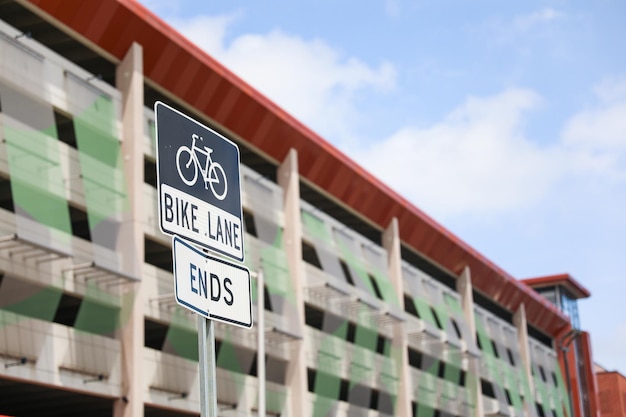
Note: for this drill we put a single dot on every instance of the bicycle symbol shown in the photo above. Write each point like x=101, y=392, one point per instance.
x=212, y=172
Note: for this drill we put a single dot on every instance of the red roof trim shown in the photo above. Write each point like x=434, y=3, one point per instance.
x=167, y=55
x=565, y=280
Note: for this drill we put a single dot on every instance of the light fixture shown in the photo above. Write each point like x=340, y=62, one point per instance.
x=96, y=378
x=20, y=362
x=27, y=35
x=180, y=396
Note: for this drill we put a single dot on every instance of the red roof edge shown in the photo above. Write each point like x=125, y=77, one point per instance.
x=565, y=280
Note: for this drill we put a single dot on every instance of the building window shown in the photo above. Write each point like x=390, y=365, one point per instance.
x=569, y=306
x=540, y=411
x=457, y=330
x=309, y=255
x=6, y=195
x=154, y=334
x=267, y=300
x=80, y=223
x=487, y=388
x=158, y=255
x=149, y=172
x=65, y=128
x=543, y=374
x=248, y=223
x=551, y=294
x=436, y=317
x=346, y=272
x=313, y=316
x=67, y=310
x=495, y=348
x=441, y=372
x=415, y=358
x=381, y=344
x=375, y=287
x=510, y=355
x=409, y=306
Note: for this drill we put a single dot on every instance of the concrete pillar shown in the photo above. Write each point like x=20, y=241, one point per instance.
x=391, y=243
x=464, y=288
x=129, y=76
x=289, y=181
x=519, y=320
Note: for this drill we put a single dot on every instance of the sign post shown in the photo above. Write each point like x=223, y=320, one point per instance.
x=206, y=362
x=199, y=201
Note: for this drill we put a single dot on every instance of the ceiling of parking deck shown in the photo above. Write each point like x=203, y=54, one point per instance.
x=180, y=67
x=29, y=400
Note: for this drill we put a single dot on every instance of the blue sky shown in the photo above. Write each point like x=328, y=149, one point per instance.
x=504, y=121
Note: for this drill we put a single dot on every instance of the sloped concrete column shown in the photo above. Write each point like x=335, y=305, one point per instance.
x=464, y=288
x=391, y=243
x=519, y=320
x=129, y=76
x=289, y=181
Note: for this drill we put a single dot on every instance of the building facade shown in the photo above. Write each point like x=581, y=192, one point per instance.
x=370, y=308
x=576, y=358
x=612, y=392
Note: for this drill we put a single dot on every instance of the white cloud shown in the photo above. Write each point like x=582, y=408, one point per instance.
x=597, y=135
x=162, y=7
x=521, y=32
x=479, y=161
x=526, y=22
x=208, y=32
x=602, y=127
x=392, y=8
x=476, y=160
x=610, y=347
x=612, y=89
x=313, y=81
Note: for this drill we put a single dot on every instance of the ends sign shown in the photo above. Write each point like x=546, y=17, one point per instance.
x=211, y=287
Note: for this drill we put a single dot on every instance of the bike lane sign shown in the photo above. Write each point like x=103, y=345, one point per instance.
x=198, y=182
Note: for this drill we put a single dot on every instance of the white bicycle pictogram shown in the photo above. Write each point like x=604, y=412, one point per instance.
x=212, y=172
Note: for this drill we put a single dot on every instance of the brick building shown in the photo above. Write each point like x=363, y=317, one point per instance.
x=612, y=392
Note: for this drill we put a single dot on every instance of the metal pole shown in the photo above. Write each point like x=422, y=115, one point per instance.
x=206, y=359
x=564, y=345
x=260, y=361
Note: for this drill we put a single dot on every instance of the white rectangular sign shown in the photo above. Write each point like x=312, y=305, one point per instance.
x=198, y=221
x=211, y=287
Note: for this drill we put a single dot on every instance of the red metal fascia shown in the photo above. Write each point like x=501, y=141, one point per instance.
x=565, y=280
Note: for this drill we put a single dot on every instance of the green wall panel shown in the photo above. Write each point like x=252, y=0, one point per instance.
x=99, y=312
x=35, y=167
x=101, y=162
x=39, y=305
